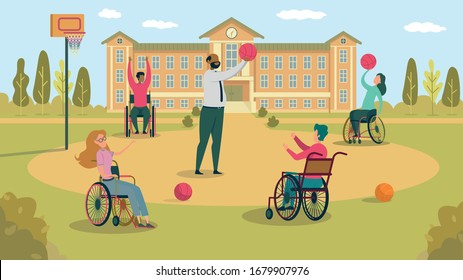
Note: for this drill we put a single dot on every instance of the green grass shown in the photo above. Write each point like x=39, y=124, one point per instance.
x=354, y=229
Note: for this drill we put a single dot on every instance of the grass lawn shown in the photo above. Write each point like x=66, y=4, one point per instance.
x=353, y=229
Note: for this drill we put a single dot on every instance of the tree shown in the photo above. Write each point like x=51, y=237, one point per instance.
x=82, y=91
x=451, y=95
x=410, y=91
x=430, y=83
x=41, y=90
x=59, y=83
x=20, y=82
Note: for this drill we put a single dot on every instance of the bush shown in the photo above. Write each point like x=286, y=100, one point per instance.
x=196, y=111
x=273, y=122
x=187, y=121
x=262, y=112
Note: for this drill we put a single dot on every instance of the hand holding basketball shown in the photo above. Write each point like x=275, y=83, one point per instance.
x=368, y=61
x=247, y=52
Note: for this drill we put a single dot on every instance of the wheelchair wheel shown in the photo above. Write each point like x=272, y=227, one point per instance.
x=315, y=202
x=347, y=131
x=287, y=182
x=126, y=121
x=269, y=214
x=116, y=221
x=98, y=204
x=122, y=209
x=376, y=129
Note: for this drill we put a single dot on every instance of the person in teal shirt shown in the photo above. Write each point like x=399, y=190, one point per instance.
x=368, y=106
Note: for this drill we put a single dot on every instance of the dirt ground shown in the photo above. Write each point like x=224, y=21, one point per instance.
x=251, y=160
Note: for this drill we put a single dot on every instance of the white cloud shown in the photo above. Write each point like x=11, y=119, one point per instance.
x=424, y=27
x=300, y=14
x=108, y=13
x=159, y=24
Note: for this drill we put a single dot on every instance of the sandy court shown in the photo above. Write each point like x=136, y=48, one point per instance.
x=252, y=159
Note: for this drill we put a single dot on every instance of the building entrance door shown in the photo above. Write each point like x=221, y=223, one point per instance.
x=234, y=93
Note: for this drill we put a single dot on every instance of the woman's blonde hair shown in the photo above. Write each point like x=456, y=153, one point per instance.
x=87, y=158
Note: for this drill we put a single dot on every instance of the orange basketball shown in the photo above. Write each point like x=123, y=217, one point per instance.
x=384, y=192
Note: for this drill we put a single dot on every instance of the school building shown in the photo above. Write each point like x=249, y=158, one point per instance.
x=292, y=77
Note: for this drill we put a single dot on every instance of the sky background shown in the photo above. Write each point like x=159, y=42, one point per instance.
x=379, y=25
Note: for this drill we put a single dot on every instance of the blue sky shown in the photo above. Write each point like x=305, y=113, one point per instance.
x=379, y=25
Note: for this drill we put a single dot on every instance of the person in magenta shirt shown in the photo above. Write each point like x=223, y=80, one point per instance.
x=310, y=181
x=139, y=90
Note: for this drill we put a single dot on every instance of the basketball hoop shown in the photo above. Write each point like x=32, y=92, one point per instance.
x=74, y=40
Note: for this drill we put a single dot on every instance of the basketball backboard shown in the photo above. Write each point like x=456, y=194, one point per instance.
x=62, y=23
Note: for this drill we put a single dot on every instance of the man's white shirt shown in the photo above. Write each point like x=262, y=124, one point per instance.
x=212, y=85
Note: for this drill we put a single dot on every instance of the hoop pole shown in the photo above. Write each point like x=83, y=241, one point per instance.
x=66, y=93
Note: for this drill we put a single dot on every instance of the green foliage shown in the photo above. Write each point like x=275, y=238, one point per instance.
x=196, y=111
x=22, y=236
x=410, y=91
x=451, y=95
x=20, y=82
x=59, y=83
x=187, y=121
x=262, y=112
x=430, y=84
x=446, y=241
x=82, y=91
x=41, y=91
x=272, y=121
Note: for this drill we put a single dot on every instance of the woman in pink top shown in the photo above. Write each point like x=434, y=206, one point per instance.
x=320, y=132
x=140, y=90
x=98, y=154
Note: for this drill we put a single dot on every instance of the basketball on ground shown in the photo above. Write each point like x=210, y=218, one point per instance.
x=248, y=51
x=368, y=61
x=183, y=191
x=384, y=192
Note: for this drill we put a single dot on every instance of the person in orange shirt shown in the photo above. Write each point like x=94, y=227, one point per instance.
x=139, y=90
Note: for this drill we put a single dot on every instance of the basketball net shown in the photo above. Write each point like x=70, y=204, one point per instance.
x=74, y=39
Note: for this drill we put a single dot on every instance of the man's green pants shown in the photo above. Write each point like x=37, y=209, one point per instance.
x=210, y=123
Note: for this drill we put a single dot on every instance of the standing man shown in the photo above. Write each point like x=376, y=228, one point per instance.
x=139, y=95
x=211, y=118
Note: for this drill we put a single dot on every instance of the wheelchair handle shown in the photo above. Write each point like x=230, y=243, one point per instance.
x=339, y=153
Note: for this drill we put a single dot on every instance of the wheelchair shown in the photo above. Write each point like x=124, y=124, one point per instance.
x=375, y=128
x=314, y=201
x=100, y=203
x=128, y=126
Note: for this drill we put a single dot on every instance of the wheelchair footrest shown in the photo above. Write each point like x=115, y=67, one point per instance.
x=122, y=196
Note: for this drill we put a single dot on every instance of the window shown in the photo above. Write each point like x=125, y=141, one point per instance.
x=321, y=81
x=307, y=103
x=119, y=76
x=141, y=62
x=184, y=62
x=119, y=96
x=321, y=62
x=343, y=56
x=264, y=81
x=156, y=81
x=183, y=103
x=119, y=56
x=292, y=62
x=119, y=41
x=292, y=81
x=263, y=103
x=170, y=81
x=198, y=62
x=343, y=76
x=156, y=103
x=278, y=62
x=156, y=62
x=170, y=62
x=183, y=81
x=307, y=81
x=198, y=81
x=199, y=103
x=292, y=103
x=278, y=81
x=321, y=103
x=231, y=54
x=343, y=41
x=278, y=103
x=343, y=96
x=307, y=62
x=264, y=62
x=170, y=103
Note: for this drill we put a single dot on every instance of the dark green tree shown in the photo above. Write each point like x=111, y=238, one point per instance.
x=82, y=91
x=410, y=91
x=20, y=82
x=41, y=92
x=451, y=95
